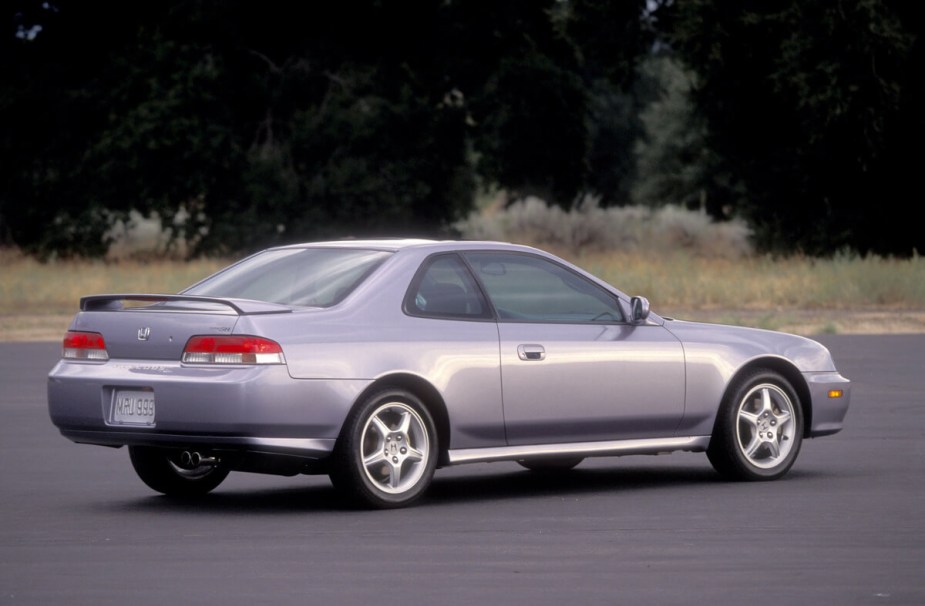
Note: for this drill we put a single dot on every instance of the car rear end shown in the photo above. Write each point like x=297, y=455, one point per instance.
x=171, y=372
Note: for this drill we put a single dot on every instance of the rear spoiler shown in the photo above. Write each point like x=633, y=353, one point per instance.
x=242, y=307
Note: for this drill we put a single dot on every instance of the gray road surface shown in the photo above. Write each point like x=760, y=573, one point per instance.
x=847, y=526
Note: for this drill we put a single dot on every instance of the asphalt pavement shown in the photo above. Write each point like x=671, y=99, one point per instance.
x=846, y=526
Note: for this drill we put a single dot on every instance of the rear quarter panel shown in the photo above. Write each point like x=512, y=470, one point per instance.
x=368, y=337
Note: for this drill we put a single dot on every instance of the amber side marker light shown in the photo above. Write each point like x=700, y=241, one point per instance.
x=836, y=393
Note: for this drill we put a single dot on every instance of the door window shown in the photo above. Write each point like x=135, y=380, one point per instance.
x=533, y=289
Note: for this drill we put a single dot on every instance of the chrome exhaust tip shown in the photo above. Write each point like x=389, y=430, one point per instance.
x=193, y=459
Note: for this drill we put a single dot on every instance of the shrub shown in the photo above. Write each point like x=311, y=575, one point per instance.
x=589, y=228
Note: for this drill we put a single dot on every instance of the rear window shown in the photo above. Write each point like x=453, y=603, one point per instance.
x=309, y=277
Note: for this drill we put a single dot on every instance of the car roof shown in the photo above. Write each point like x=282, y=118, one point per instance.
x=402, y=243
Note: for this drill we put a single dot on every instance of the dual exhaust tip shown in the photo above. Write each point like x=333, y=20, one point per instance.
x=193, y=459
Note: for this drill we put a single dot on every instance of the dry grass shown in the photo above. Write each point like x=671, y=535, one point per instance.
x=689, y=266
x=55, y=287
x=803, y=295
x=37, y=300
x=763, y=283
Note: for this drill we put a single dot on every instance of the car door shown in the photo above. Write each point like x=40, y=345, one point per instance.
x=572, y=368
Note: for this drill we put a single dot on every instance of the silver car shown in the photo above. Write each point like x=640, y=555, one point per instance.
x=376, y=362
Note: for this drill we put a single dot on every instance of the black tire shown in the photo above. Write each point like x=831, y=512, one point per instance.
x=555, y=465
x=162, y=471
x=759, y=428
x=387, y=452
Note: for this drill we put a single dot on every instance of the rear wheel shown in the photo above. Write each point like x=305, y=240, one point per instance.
x=387, y=453
x=759, y=429
x=164, y=471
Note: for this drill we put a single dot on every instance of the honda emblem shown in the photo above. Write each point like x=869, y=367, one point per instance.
x=144, y=333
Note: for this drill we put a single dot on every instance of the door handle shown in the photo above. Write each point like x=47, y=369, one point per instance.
x=531, y=352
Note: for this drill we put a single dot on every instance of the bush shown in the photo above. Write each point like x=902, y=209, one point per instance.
x=590, y=228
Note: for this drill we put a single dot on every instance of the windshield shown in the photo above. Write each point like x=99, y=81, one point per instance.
x=310, y=277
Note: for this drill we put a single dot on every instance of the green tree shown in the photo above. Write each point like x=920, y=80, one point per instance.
x=254, y=125
x=674, y=164
x=816, y=107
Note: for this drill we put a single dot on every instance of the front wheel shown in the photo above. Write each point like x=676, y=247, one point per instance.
x=164, y=471
x=387, y=452
x=759, y=428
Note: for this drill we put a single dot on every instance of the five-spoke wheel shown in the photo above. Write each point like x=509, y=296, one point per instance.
x=759, y=428
x=387, y=453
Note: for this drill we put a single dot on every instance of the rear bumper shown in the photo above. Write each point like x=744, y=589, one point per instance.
x=279, y=456
x=242, y=408
x=311, y=448
x=828, y=413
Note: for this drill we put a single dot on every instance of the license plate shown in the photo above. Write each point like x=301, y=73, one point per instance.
x=135, y=407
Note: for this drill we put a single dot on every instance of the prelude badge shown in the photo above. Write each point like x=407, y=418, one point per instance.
x=144, y=333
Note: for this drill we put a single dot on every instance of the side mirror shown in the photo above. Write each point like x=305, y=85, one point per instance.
x=639, y=309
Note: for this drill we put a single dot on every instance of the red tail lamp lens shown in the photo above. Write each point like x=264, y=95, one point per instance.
x=207, y=349
x=78, y=345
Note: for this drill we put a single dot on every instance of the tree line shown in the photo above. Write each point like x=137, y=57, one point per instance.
x=244, y=124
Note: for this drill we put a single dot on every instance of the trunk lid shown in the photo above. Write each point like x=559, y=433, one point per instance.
x=157, y=327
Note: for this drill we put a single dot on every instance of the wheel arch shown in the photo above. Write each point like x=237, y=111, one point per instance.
x=427, y=393
x=789, y=372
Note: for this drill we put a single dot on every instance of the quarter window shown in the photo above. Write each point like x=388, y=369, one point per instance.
x=444, y=288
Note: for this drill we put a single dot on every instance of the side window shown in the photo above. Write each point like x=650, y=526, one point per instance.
x=533, y=289
x=444, y=288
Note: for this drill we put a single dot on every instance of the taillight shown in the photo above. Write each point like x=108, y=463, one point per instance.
x=79, y=345
x=207, y=349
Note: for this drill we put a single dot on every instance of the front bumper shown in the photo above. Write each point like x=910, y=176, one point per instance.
x=828, y=413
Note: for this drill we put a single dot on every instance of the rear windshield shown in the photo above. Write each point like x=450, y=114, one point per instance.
x=310, y=277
